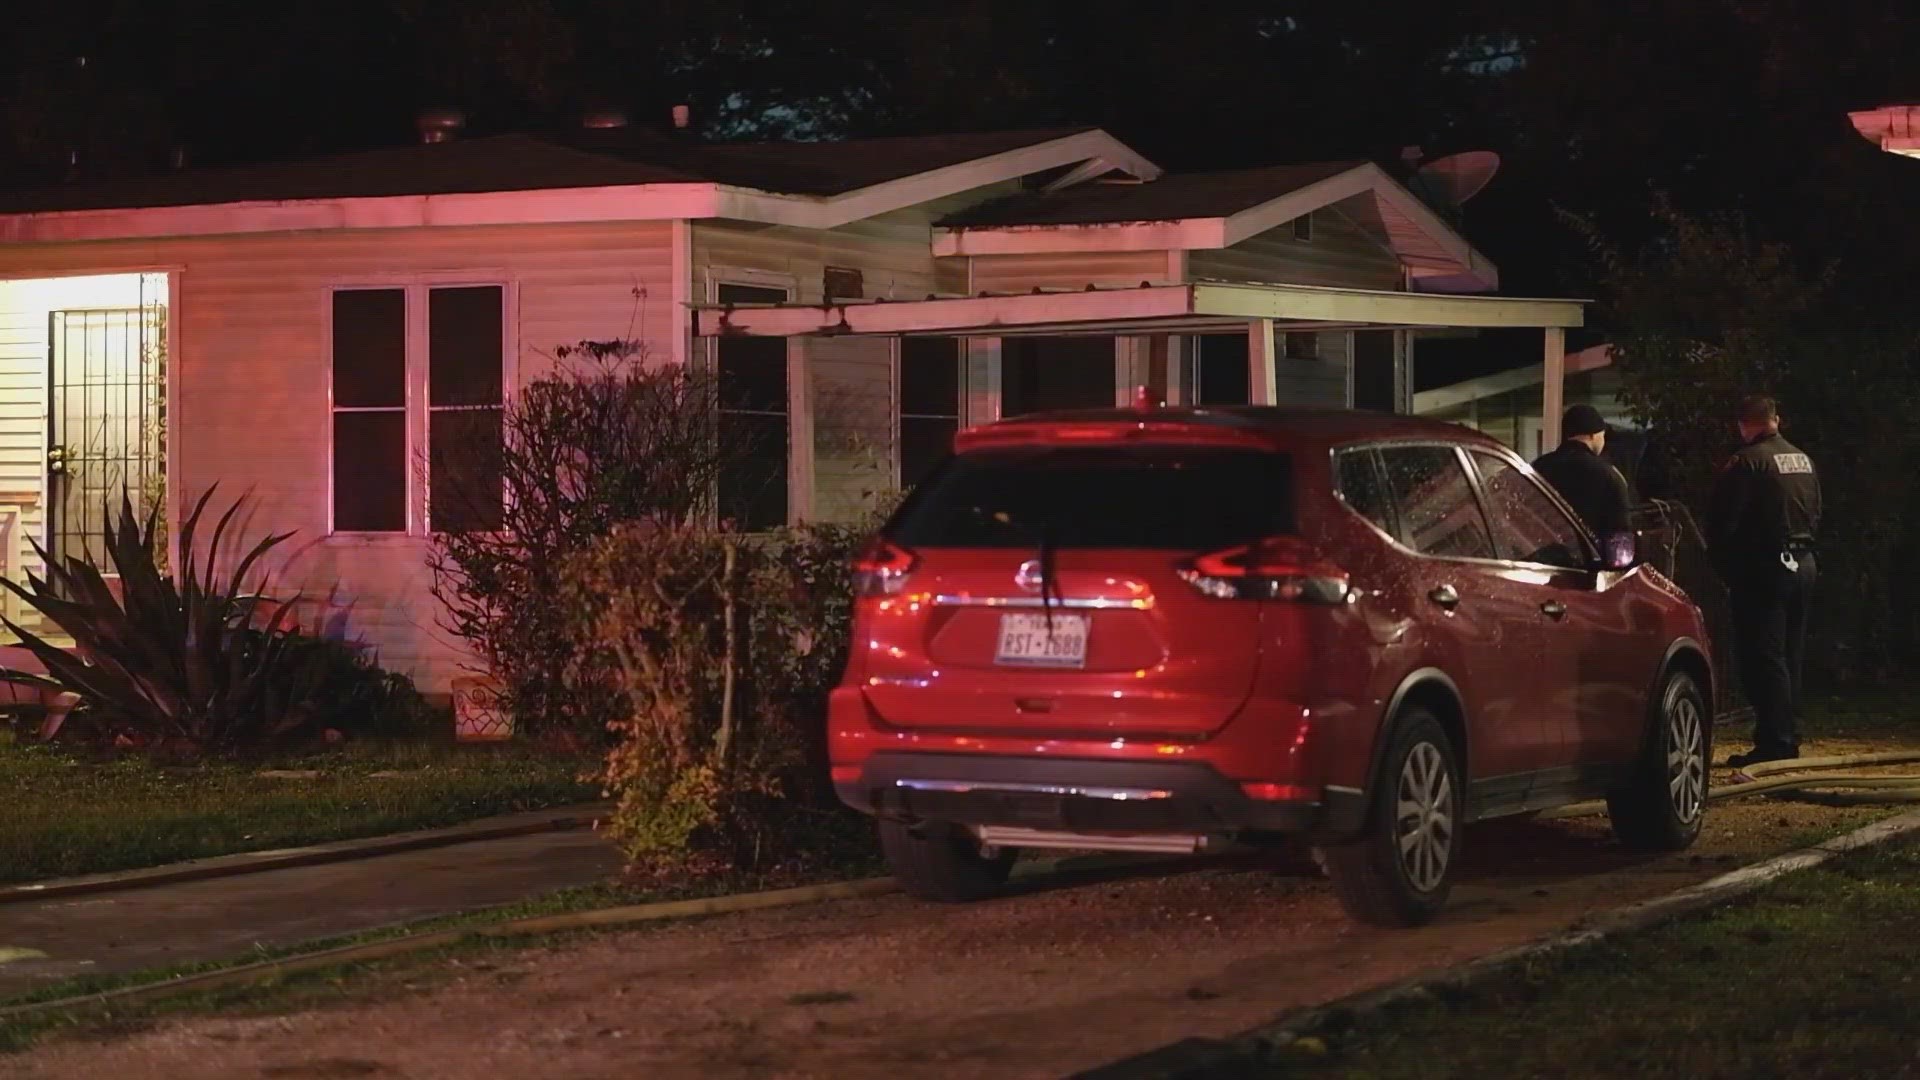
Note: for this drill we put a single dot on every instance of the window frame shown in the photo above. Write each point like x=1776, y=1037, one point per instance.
x=1398, y=537
x=898, y=391
x=1590, y=545
x=799, y=398
x=417, y=395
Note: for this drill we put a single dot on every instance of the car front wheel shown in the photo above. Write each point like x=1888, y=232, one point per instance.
x=1663, y=801
x=1399, y=871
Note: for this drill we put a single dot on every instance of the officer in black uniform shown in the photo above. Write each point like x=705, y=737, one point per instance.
x=1760, y=533
x=1589, y=483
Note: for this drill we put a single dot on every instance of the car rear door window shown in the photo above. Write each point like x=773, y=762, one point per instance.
x=1363, y=487
x=1527, y=526
x=1175, y=498
x=1438, y=512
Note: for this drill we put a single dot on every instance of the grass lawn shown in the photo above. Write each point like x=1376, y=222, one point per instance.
x=68, y=814
x=1815, y=977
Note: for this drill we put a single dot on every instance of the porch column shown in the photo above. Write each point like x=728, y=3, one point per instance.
x=1262, y=377
x=1552, y=386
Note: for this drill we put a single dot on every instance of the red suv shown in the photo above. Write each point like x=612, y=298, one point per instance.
x=1176, y=629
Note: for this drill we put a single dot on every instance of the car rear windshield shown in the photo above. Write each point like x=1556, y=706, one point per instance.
x=1150, y=497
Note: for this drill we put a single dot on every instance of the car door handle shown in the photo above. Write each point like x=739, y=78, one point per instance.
x=1554, y=609
x=1446, y=596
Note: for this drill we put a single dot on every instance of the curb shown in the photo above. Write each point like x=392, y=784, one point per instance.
x=381, y=950
x=1064, y=872
x=1198, y=1058
x=254, y=862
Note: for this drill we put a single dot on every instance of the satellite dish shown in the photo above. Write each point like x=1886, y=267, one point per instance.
x=1459, y=177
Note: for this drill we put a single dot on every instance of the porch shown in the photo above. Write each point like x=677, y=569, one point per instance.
x=1167, y=338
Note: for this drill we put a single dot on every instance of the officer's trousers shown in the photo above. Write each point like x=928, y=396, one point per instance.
x=1770, y=635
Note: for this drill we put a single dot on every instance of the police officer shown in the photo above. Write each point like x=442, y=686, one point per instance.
x=1589, y=483
x=1760, y=532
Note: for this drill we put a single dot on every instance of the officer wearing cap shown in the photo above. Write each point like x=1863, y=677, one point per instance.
x=1589, y=483
x=1760, y=531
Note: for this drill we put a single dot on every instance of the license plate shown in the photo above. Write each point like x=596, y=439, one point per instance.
x=1025, y=639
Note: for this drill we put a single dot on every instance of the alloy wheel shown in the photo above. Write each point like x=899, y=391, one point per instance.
x=1424, y=812
x=1686, y=758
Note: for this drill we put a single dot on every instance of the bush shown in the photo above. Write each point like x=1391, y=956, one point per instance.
x=352, y=694
x=602, y=441
x=720, y=650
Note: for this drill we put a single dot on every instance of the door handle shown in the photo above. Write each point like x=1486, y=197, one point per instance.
x=1446, y=596
x=1554, y=609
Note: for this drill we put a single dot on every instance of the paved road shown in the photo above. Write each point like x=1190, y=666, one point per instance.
x=227, y=917
x=1037, y=985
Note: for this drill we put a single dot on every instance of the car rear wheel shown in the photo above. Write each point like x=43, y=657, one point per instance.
x=1399, y=871
x=939, y=861
x=1662, y=803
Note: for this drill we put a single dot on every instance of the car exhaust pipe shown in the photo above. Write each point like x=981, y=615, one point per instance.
x=1002, y=836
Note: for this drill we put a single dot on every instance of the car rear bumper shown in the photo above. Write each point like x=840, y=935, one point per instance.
x=1079, y=795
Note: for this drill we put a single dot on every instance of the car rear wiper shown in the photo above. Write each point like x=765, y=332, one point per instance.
x=1049, y=586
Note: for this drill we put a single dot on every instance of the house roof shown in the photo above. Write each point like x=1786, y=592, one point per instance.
x=533, y=163
x=1173, y=197
x=835, y=168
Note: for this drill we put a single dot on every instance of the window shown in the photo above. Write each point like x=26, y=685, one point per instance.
x=1438, y=512
x=1300, y=345
x=754, y=424
x=393, y=406
x=1373, y=371
x=1221, y=375
x=465, y=366
x=1527, y=526
x=1041, y=374
x=1303, y=227
x=932, y=377
x=1363, y=486
x=1162, y=498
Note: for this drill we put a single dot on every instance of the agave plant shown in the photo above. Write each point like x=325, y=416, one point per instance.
x=180, y=662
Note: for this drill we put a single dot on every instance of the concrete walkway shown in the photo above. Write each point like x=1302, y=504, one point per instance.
x=224, y=918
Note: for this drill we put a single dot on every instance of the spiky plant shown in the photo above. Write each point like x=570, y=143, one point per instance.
x=178, y=662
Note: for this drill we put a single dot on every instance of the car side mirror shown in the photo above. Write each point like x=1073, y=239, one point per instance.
x=1619, y=551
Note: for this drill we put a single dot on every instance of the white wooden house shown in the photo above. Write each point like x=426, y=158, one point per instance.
x=301, y=332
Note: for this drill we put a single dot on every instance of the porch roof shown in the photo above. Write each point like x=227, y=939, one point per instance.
x=1199, y=307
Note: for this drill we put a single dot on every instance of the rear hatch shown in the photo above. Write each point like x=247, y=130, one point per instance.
x=1040, y=589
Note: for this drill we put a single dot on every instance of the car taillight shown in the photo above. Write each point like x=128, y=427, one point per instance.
x=882, y=569
x=1268, y=570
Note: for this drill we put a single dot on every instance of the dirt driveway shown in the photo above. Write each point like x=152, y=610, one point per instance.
x=1037, y=985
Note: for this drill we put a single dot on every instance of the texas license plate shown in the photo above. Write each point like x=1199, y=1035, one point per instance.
x=1027, y=639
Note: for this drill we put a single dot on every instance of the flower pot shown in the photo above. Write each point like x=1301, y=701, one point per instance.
x=477, y=712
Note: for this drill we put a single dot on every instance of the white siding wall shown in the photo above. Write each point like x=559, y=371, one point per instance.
x=1340, y=253
x=1320, y=379
x=251, y=376
x=1071, y=270
x=849, y=380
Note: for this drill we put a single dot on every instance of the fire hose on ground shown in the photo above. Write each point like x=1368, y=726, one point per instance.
x=1666, y=525
x=1818, y=786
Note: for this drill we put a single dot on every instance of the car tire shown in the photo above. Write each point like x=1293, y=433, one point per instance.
x=1662, y=803
x=1398, y=872
x=938, y=861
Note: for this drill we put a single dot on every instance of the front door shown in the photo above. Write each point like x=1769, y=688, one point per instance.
x=1475, y=615
x=106, y=422
x=1587, y=637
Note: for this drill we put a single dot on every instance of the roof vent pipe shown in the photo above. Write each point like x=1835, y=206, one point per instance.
x=439, y=125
